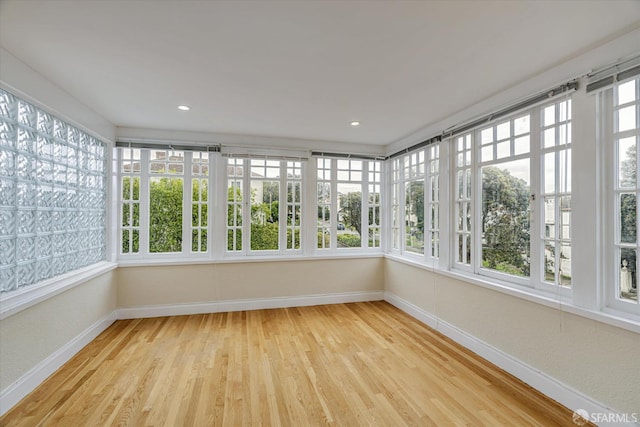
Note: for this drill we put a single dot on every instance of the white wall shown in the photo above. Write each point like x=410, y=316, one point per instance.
x=33, y=335
x=25, y=82
x=166, y=286
x=594, y=358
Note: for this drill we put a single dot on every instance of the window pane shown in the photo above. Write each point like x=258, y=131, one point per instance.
x=165, y=215
x=628, y=274
x=235, y=168
x=265, y=215
x=503, y=130
x=565, y=265
x=565, y=218
x=521, y=125
x=549, y=173
x=627, y=163
x=324, y=214
x=627, y=92
x=626, y=118
x=550, y=217
x=414, y=216
x=505, y=217
x=628, y=218
x=549, y=115
x=549, y=261
x=521, y=145
x=349, y=215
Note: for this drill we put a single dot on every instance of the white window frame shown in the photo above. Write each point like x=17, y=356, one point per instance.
x=333, y=180
x=422, y=165
x=610, y=160
x=283, y=180
x=536, y=151
x=145, y=179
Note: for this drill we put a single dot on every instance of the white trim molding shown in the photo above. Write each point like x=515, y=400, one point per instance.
x=551, y=387
x=11, y=395
x=247, y=304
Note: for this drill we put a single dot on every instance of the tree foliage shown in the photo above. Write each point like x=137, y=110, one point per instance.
x=505, y=222
x=351, y=210
x=415, y=196
x=165, y=215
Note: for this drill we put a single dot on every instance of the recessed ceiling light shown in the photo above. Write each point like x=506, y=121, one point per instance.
x=355, y=123
x=184, y=107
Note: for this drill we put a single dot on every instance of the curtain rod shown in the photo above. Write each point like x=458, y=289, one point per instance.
x=559, y=90
x=536, y=99
x=347, y=156
x=164, y=145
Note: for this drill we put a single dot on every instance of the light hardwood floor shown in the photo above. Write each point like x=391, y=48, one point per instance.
x=345, y=365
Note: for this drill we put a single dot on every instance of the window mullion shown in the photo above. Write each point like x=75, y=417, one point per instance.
x=334, y=206
x=246, y=207
x=536, y=200
x=144, y=203
x=282, y=208
x=364, y=206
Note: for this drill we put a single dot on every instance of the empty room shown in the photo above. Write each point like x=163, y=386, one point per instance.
x=301, y=213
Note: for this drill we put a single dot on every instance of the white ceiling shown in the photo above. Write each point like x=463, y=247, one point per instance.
x=299, y=69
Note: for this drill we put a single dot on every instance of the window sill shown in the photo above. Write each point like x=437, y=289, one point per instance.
x=231, y=259
x=21, y=299
x=552, y=300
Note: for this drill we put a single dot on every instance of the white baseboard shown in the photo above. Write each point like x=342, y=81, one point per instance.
x=247, y=304
x=556, y=390
x=35, y=376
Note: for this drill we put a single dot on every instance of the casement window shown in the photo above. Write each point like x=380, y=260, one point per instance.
x=622, y=115
x=504, y=169
x=415, y=202
x=396, y=184
x=52, y=196
x=164, y=201
x=555, y=193
x=264, y=205
x=463, y=236
x=414, y=208
x=433, y=202
x=511, y=198
x=348, y=203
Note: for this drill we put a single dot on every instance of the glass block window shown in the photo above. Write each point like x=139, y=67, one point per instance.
x=626, y=137
x=52, y=196
x=556, y=192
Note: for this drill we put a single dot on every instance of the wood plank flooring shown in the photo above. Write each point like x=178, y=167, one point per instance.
x=365, y=364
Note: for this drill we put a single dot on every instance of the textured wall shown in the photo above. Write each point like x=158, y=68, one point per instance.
x=31, y=335
x=592, y=357
x=160, y=285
